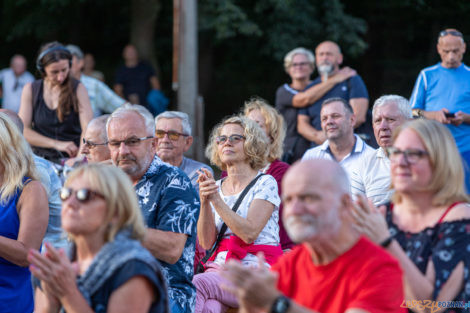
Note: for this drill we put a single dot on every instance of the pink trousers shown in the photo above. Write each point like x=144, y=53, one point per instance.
x=210, y=297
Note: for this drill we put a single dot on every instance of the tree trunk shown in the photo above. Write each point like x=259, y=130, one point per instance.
x=144, y=15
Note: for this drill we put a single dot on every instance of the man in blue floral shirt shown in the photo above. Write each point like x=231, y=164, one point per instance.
x=168, y=201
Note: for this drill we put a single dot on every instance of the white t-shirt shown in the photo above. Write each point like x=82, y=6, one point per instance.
x=265, y=189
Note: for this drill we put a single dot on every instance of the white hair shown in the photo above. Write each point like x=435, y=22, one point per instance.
x=176, y=114
x=140, y=110
x=403, y=105
x=290, y=55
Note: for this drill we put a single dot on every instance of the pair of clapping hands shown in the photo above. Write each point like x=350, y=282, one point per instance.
x=207, y=186
x=57, y=274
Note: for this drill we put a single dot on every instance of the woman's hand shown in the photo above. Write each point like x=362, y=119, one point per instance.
x=369, y=220
x=68, y=147
x=208, y=189
x=57, y=274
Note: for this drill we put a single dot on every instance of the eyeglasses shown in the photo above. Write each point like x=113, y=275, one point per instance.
x=91, y=145
x=233, y=139
x=82, y=195
x=171, y=134
x=130, y=142
x=301, y=64
x=411, y=156
x=450, y=32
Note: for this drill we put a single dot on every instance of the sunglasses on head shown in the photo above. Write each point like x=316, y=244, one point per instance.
x=82, y=195
x=450, y=32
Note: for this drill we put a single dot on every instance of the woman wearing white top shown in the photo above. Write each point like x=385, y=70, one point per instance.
x=238, y=146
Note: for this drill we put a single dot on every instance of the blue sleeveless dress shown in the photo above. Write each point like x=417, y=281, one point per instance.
x=16, y=293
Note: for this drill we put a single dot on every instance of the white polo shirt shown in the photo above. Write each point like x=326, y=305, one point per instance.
x=372, y=177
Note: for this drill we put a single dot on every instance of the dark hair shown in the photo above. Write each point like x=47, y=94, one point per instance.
x=53, y=52
x=346, y=104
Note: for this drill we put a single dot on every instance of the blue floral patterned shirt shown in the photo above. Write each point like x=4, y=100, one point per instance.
x=170, y=203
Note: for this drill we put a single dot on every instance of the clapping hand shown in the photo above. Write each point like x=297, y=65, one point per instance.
x=207, y=186
x=369, y=220
x=57, y=274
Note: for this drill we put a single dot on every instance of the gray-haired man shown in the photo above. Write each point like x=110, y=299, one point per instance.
x=173, y=133
x=372, y=175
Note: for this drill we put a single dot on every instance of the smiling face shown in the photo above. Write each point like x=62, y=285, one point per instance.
x=386, y=119
x=134, y=160
x=406, y=177
x=57, y=72
x=229, y=152
x=171, y=151
x=300, y=68
x=336, y=121
x=84, y=218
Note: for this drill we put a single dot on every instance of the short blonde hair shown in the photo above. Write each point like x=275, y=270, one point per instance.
x=16, y=157
x=447, y=180
x=275, y=125
x=290, y=55
x=256, y=144
x=123, y=209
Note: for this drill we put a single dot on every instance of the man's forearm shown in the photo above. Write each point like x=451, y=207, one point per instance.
x=165, y=245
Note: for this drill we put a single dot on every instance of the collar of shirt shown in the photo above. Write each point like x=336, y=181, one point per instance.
x=359, y=146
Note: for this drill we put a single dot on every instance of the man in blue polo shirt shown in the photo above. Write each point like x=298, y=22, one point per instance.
x=328, y=58
x=442, y=92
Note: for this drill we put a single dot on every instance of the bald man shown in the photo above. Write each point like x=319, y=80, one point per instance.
x=349, y=86
x=333, y=269
x=442, y=92
x=13, y=79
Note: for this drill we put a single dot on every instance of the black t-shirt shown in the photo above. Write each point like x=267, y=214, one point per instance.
x=135, y=80
x=129, y=270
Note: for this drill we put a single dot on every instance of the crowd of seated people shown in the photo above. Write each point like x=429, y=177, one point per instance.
x=134, y=225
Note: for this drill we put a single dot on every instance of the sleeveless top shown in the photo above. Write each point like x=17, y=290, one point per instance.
x=16, y=293
x=46, y=123
x=446, y=244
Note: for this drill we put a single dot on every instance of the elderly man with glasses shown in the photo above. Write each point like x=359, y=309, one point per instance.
x=173, y=135
x=442, y=92
x=169, y=203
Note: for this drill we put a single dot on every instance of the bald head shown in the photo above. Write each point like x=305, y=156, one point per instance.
x=328, y=57
x=15, y=118
x=451, y=47
x=328, y=174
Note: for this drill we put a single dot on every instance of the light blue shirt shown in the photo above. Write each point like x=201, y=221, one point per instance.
x=102, y=98
x=438, y=87
x=12, y=87
x=52, y=184
x=190, y=166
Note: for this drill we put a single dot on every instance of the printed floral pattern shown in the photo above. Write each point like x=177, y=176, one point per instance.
x=169, y=203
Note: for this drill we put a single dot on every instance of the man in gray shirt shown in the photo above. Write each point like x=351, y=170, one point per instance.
x=173, y=133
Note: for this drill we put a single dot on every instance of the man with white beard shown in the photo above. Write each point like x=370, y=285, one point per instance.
x=333, y=269
x=352, y=89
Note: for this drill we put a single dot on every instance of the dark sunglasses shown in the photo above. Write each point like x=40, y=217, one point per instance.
x=83, y=195
x=171, y=134
x=233, y=139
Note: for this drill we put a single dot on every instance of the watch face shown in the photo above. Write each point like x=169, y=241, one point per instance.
x=281, y=305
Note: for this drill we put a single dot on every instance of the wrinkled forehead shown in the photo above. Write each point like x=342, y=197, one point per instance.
x=167, y=124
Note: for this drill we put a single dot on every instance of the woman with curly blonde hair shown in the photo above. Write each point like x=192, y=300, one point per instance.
x=240, y=147
x=272, y=123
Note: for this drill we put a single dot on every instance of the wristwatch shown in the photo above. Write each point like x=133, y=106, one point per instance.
x=280, y=305
x=418, y=113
